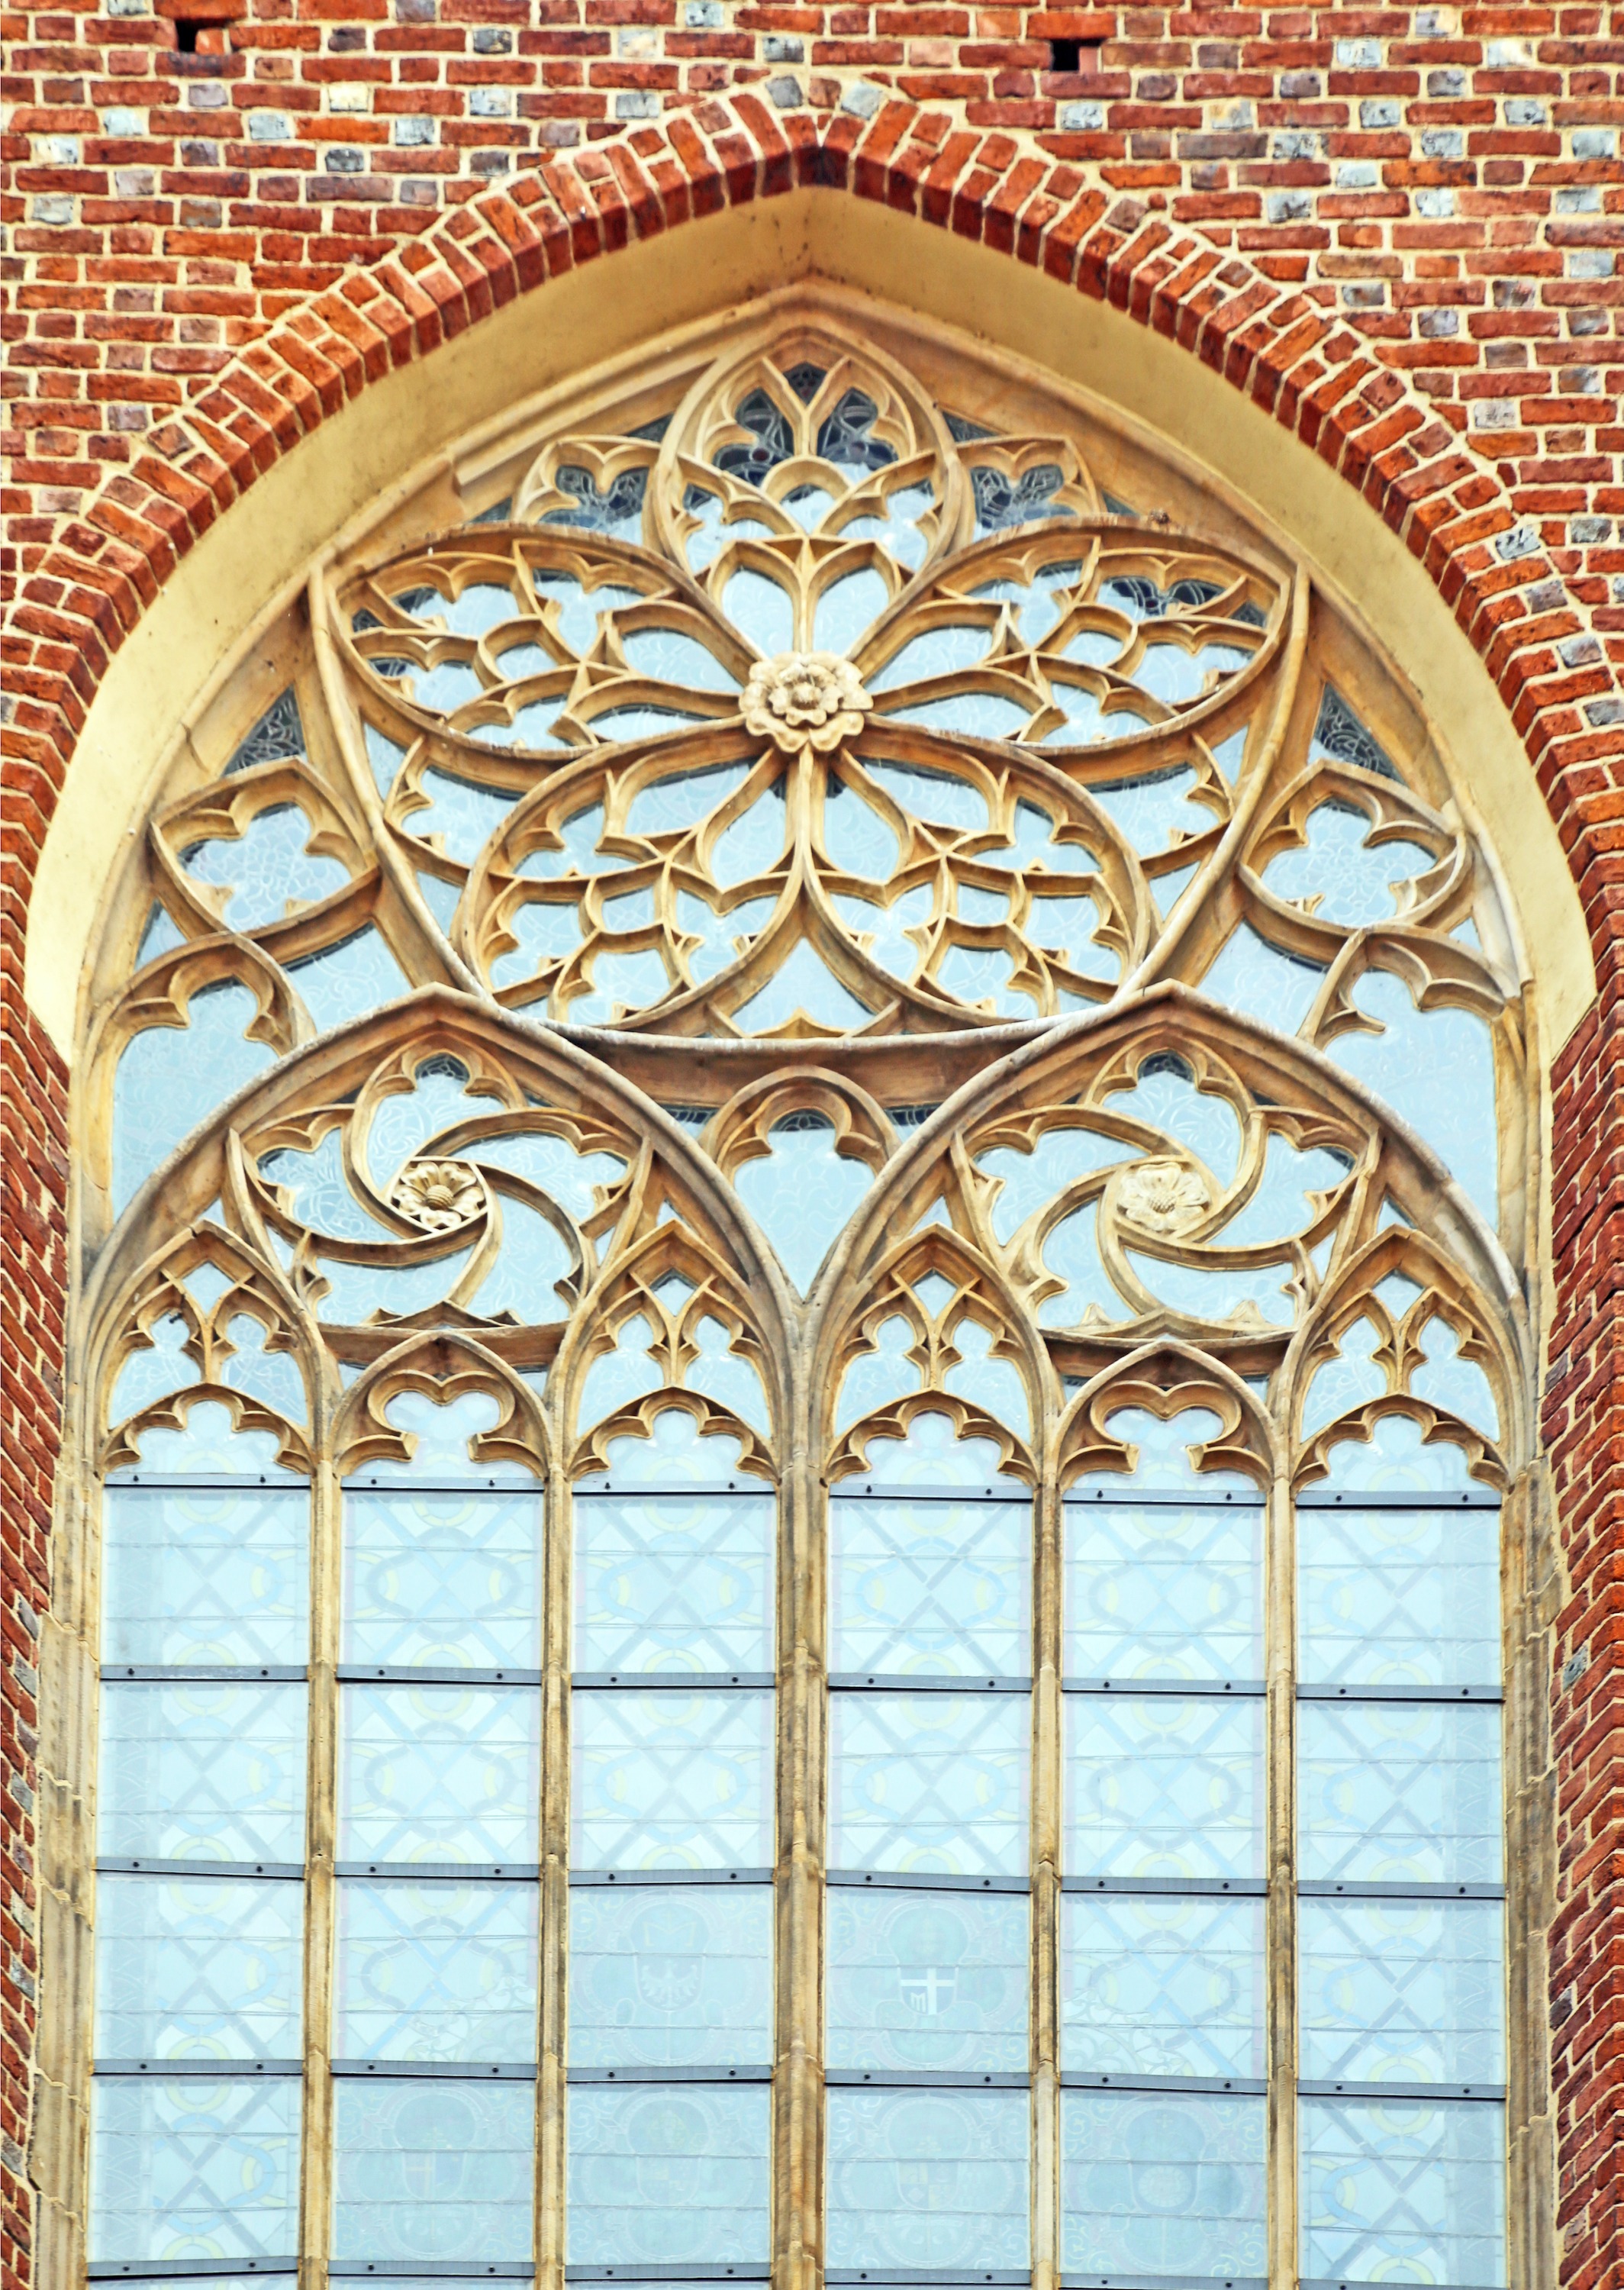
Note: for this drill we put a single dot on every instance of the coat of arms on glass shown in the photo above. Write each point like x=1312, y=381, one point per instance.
x=820, y=1065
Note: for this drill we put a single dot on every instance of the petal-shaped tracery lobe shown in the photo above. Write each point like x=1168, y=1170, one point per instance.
x=802, y=1191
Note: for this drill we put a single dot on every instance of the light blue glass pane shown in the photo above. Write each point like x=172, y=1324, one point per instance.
x=1093, y=647
x=435, y=2171
x=633, y=722
x=205, y=1574
x=1354, y=878
x=252, y=1366
x=532, y=1260
x=1399, y=1598
x=578, y=855
x=578, y=611
x=1162, y=2184
x=1346, y=1381
x=617, y=1378
x=710, y=536
x=722, y=937
x=927, y=2178
x=679, y=801
x=572, y=1179
x=980, y=714
x=1158, y=1985
x=197, y=1967
x=1163, y=1457
x=932, y=1587
x=357, y=1292
x=726, y=1376
x=887, y=927
x=803, y=1192
x=445, y=688
x=675, y=658
x=1176, y=677
x=761, y=611
x=1284, y=1199
x=994, y=1384
x=937, y=652
x=322, y=1196
x=926, y=1980
x=874, y=1378
x=436, y=1972
x=385, y=756
x=1027, y=1182
x=1402, y=1992
x=438, y=1773
x=898, y=530
x=938, y=796
x=806, y=985
x=1397, y=1462
x=662, y=2172
x=845, y=610
x=447, y=1580
x=619, y=981
x=672, y=1780
x=674, y=1581
x=1065, y=927
x=855, y=838
x=1088, y=720
x=929, y=1783
x=1394, y=1792
x=1444, y=1377
x=1160, y=1592
x=808, y=505
x=440, y=1441
x=678, y=1975
x=1241, y=1294
x=404, y=1123
x=460, y=815
x=159, y=937
x=675, y=1455
x=984, y=906
x=753, y=844
x=1071, y=1251
x=1160, y=1787
x=933, y=1455
x=545, y=929
x=483, y=605
x=193, y=2169
x=1437, y=1070
x=983, y=974
x=171, y=1078
x=1397, y=2191
x=1164, y=1094
x=1149, y=810
x=201, y=1772
x=1039, y=604
x=267, y=868
x=208, y=1444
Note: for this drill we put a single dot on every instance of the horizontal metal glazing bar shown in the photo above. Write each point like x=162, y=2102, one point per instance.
x=739, y=2273
x=669, y=2075
x=1400, y=1693
x=1324, y=1888
x=212, y=1481
x=441, y=2071
x=864, y=1491
x=1239, y=1887
x=1193, y=1499
x=706, y=1489
x=942, y=2278
x=926, y=2078
x=1075, y=2079
x=668, y=1681
x=425, y=2269
x=216, y=2071
x=442, y=1872
x=169, y=2269
x=1355, y=1499
x=670, y=1876
x=405, y=1483
x=907, y=1882
x=395, y=1673
x=223, y=1673
x=1368, y=2282
x=1237, y=1689
x=856, y=1681
x=114, y=1864
x=1167, y=2282
x=1490, y=2092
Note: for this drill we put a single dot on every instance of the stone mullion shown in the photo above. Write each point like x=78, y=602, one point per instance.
x=1047, y=1814
x=797, y=2083
x=1280, y=1610
x=321, y=1888
x=554, y=1906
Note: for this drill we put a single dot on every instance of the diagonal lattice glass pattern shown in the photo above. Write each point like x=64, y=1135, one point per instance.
x=808, y=1182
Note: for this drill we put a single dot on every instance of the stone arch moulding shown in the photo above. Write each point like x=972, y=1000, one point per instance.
x=241, y=572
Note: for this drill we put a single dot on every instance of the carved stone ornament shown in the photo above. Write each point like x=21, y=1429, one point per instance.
x=438, y=1195
x=1163, y=1196
x=805, y=699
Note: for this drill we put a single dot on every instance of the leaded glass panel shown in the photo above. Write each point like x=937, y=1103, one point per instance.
x=199, y=1771
x=1395, y=2188
x=1402, y=1992
x=672, y=1779
x=437, y=1773
x=445, y=1578
x=1160, y=1786
x=1401, y=1792
x=427, y=2170
x=670, y=1976
x=933, y=1980
x=1156, y=1984
x=931, y=1586
x=194, y=2168
x=929, y=1783
x=436, y=1971
x=663, y=2173
x=1162, y=2184
x=197, y=1967
x=206, y=1575
x=673, y=1581
x=934, y=2178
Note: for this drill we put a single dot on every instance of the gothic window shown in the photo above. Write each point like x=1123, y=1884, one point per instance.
x=809, y=1158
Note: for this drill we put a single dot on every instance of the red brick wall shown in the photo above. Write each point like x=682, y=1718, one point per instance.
x=1397, y=229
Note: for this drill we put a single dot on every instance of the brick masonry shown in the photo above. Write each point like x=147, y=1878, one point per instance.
x=1397, y=229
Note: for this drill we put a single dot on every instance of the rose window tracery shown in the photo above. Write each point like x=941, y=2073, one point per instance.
x=804, y=1046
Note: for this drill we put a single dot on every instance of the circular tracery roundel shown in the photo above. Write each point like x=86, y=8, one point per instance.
x=767, y=933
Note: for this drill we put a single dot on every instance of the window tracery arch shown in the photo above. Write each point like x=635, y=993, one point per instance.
x=839, y=1093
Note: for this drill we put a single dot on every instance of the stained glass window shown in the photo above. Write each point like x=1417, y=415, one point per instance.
x=810, y=1311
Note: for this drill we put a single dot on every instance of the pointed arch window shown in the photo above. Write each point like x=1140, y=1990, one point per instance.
x=809, y=1156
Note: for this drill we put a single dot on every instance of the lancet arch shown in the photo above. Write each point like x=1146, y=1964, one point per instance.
x=820, y=1086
